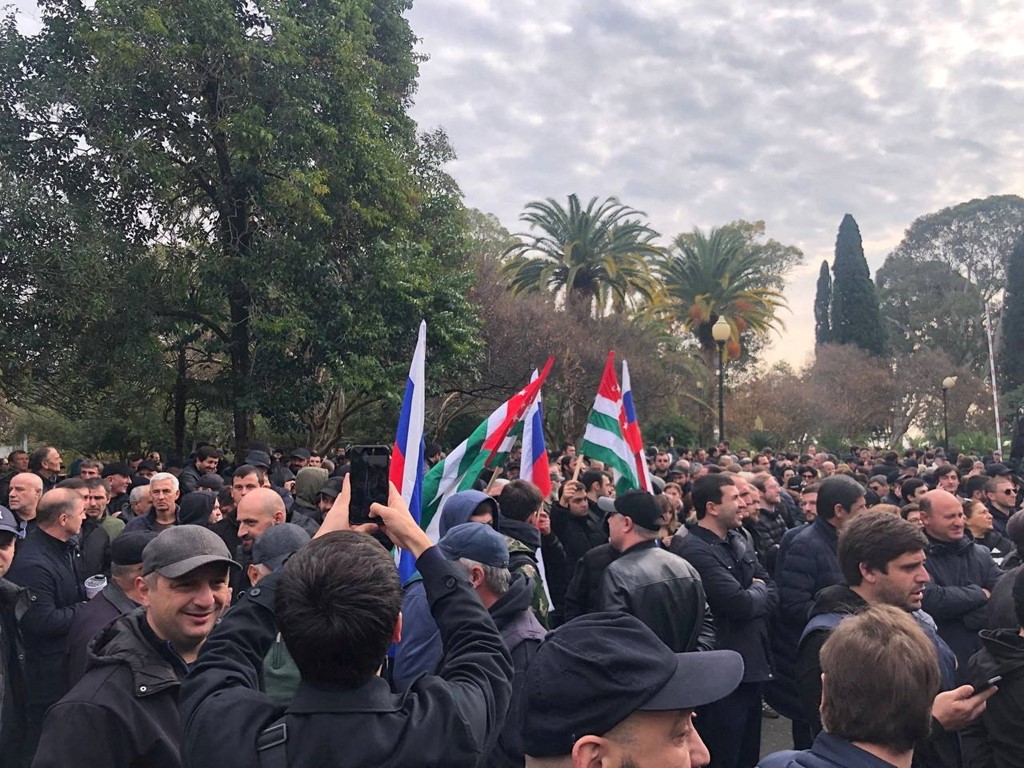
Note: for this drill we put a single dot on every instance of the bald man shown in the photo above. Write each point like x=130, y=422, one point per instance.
x=963, y=574
x=26, y=488
x=257, y=510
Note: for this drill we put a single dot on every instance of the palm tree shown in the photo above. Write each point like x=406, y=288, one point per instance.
x=704, y=276
x=597, y=256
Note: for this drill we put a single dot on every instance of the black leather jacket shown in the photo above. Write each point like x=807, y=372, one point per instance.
x=662, y=590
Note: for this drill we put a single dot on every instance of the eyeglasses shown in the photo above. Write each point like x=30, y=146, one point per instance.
x=1008, y=492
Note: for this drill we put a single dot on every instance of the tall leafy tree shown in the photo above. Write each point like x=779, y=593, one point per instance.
x=856, y=318
x=1011, y=346
x=705, y=276
x=597, y=256
x=973, y=238
x=823, y=306
x=266, y=148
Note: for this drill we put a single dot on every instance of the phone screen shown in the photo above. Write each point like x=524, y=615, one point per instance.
x=368, y=479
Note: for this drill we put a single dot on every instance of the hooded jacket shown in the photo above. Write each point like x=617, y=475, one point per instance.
x=308, y=483
x=523, y=541
x=420, y=648
x=522, y=634
x=959, y=569
x=125, y=708
x=995, y=739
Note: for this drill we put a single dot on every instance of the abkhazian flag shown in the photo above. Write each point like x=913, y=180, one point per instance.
x=482, y=449
x=534, y=464
x=407, y=455
x=631, y=431
x=603, y=439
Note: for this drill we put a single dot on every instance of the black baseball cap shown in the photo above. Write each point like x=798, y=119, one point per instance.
x=274, y=545
x=639, y=506
x=127, y=548
x=593, y=672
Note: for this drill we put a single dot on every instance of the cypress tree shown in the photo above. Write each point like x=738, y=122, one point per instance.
x=856, y=318
x=1011, y=344
x=823, y=306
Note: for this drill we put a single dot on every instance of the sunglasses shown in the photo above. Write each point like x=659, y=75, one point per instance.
x=1008, y=492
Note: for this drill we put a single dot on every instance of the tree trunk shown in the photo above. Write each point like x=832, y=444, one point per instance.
x=238, y=302
x=180, y=400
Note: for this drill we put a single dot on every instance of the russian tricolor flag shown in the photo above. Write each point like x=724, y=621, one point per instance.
x=631, y=431
x=407, y=455
x=533, y=465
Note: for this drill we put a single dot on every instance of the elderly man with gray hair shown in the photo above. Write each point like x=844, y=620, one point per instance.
x=482, y=551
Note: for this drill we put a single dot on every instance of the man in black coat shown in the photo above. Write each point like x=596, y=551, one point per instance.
x=121, y=595
x=741, y=596
x=125, y=708
x=47, y=566
x=963, y=574
x=995, y=739
x=342, y=707
x=13, y=604
x=576, y=523
x=483, y=553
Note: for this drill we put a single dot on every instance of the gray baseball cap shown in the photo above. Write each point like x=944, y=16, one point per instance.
x=8, y=522
x=274, y=545
x=182, y=549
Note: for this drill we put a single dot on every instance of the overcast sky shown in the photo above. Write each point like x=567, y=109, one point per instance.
x=701, y=113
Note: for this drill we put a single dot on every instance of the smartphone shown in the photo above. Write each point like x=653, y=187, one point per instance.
x=368, y=479
x=987, y=684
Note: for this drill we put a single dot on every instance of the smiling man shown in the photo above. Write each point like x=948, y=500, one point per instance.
x=963, y=574
x=126, y=706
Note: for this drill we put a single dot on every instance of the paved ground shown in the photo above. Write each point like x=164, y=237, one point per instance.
x=775, y=735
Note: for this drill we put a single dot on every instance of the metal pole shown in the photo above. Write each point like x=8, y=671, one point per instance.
x=945, y=422
x=995, y=387
x=721, y=394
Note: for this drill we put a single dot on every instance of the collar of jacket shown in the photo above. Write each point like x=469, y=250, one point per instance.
x=114, y=595
x=649, y=544
x=130, y=641
x=373, y=696
x=842, y=752
x=733, y=541
x=826, y=529
x=71, y=545
x=937, y=547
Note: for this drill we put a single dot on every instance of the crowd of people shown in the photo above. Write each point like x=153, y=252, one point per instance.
x=208, y=613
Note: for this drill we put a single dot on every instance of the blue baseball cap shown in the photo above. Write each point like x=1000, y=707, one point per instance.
x=477, y=542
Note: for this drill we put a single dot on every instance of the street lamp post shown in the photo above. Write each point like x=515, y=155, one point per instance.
x=721, y=332
x=947, y=384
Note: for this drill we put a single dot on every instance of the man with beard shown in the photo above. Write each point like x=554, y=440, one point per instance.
x=257, y=511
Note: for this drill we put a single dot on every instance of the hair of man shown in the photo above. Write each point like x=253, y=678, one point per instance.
x=497, y=580
x=519, y=500
x=891, y=707
x=875, y=538
x=337, y=605
x=837, y=489
x=708, y=490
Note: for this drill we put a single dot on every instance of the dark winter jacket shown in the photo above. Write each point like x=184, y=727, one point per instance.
x=807, y=562
x=664, y=592
x=999, y=519
x=999, y=545
x=13, y=604
x=584, y=592
x=954, y=597
x=578, y=534
x=188, y=479
x=124, y=711
x=771, y=526
x=447, y=720
x=524, y=541
x=1000, y=613
x=48, y=568
x=995, y=740
x=94, y=546
x=98, y=613
x=836, y=603
x=420, y=649
x=740, y=605
x=147, y=522
x=522, y=634
x=828, y=751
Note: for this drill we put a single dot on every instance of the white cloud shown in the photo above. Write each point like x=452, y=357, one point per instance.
x=700, y=113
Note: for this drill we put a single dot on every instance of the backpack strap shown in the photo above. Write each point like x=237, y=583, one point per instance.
x=271, y=745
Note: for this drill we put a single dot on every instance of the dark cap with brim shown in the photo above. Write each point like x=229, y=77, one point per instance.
x=593, y=672
x=639, y=506
x=182, y=549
